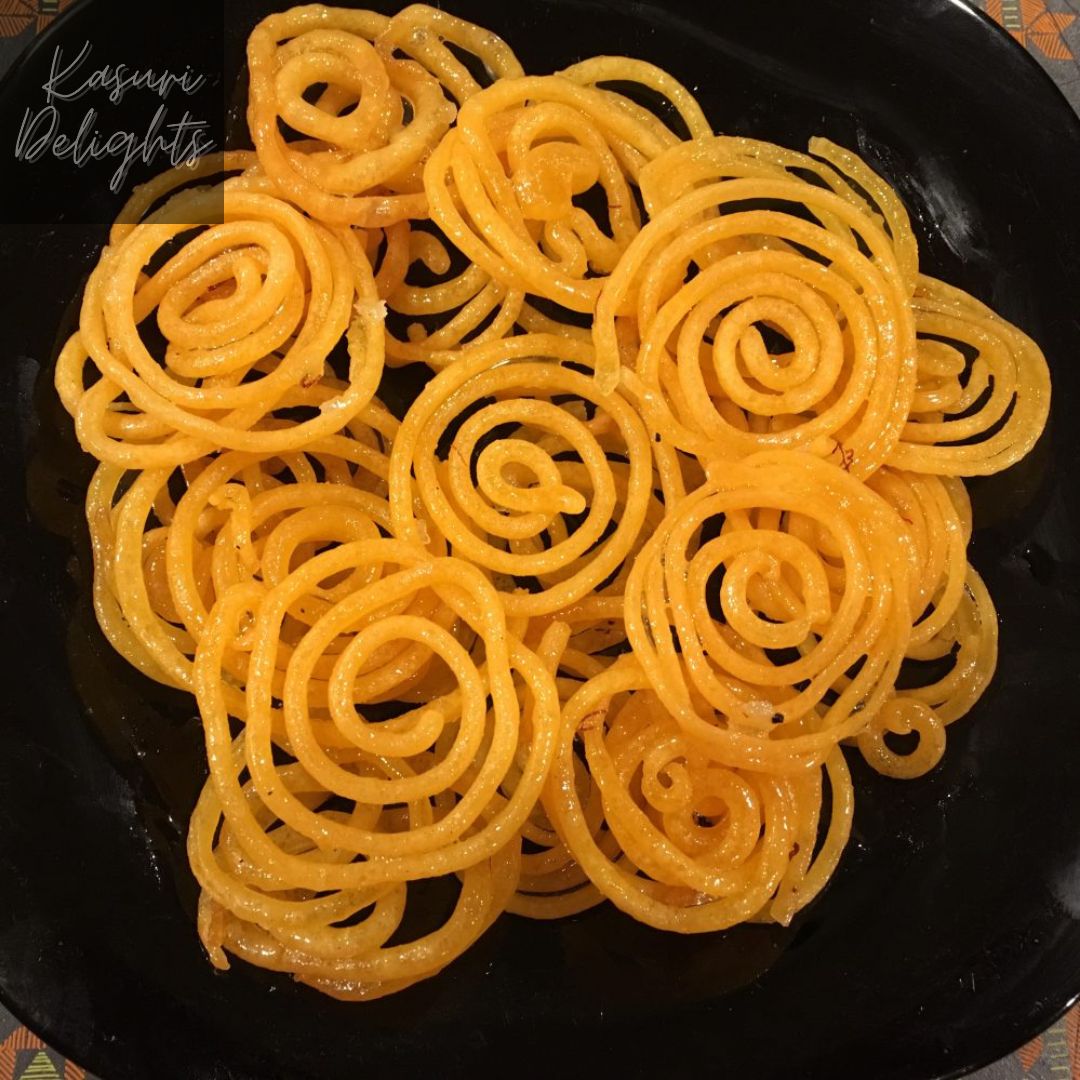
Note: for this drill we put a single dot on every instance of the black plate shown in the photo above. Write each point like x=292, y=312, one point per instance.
x=951, y=933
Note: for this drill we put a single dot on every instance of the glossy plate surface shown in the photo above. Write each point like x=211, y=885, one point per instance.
x=951, y=932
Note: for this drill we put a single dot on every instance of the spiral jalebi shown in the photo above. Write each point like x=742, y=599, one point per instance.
x=673, y=522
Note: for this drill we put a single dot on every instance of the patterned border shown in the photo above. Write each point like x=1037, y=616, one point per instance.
x=1035, y=26
x=23, y=1056
x=18, y=16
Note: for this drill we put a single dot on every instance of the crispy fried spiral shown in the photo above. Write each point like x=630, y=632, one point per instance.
x=229, y=525
x=691, y=844
x=703, y=371
x=808, y=582
x=435, y=791
x=527, y=453
x=249, y=310
x=970, y=422
x=502, y=184
x=364, y=140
